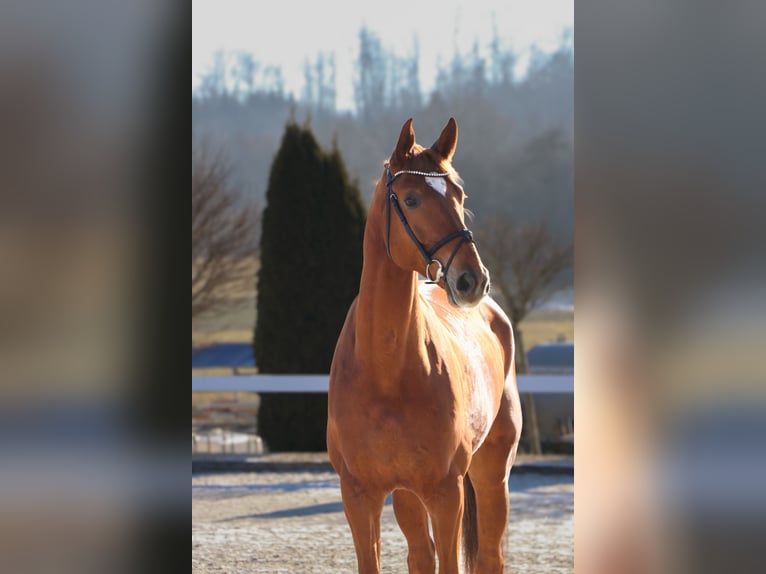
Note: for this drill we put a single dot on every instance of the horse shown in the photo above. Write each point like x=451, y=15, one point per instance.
x=423, y=401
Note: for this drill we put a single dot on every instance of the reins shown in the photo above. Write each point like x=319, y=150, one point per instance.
x=465, y=235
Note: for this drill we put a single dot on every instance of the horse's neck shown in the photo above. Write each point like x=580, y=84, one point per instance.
x=389, y=321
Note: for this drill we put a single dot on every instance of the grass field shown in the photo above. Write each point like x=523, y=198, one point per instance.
x=541, y=326
x=235, y=323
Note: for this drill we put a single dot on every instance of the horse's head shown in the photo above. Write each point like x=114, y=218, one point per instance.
x=425, y=218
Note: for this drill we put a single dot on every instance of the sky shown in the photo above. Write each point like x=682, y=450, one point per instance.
x=288, y=32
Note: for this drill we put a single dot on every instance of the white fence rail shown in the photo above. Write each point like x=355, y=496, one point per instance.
x=318, y=383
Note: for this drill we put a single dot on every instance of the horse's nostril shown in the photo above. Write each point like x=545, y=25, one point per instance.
x=465, y=282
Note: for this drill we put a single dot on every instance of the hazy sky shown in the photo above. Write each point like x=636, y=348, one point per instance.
x=287, y=32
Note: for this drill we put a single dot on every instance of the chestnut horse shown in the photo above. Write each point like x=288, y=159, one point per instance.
x=422, y=386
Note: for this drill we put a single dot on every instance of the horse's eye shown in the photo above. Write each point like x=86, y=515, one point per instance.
x=412, y=200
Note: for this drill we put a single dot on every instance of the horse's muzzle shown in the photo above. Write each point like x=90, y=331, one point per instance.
x=468, y=288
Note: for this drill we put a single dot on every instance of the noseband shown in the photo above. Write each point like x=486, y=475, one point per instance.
x=428, y=254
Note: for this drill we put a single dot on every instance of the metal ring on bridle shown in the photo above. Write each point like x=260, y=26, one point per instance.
x=439, y=271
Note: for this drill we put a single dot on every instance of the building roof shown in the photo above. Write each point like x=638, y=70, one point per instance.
x=223, y=355
x=551, y=355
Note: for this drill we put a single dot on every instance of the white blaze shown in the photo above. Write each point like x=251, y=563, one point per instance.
x=438, y=183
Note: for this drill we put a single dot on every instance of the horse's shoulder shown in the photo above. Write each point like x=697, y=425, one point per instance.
x=500, y=324
x=496, y=317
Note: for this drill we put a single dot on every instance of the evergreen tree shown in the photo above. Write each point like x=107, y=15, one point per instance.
x=311, y=262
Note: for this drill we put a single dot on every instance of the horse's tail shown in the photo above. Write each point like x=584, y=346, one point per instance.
x=470, y=527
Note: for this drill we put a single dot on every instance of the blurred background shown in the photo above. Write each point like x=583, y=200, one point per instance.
x=669, y=367
x=88, y=478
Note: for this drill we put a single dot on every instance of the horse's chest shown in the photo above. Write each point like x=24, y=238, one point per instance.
x=468, y=348
x=402, y=425
x=401, y=442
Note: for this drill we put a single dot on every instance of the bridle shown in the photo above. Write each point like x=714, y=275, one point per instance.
x=464, y=235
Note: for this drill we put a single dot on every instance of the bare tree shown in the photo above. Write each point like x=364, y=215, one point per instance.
x=523, y=262
x=213, y=82
x=224, y=234
x=371, y=82
x=245, y=73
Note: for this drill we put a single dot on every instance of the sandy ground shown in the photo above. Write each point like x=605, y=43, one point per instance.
x=274, y=522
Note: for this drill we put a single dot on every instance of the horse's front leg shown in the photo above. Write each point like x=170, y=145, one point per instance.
x=413, y=520
x=363, y=507
x=446, y=509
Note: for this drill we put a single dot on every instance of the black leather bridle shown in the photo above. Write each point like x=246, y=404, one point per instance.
x=464, y=235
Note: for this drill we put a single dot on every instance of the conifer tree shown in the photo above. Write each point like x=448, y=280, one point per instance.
x=311, y=263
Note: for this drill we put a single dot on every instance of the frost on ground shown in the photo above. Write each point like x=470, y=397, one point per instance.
x=294, y=523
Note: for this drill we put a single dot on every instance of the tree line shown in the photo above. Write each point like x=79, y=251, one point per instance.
x=516, y=134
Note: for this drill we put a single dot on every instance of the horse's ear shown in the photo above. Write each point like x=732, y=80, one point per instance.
x=406, y=142
x=447, y=142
